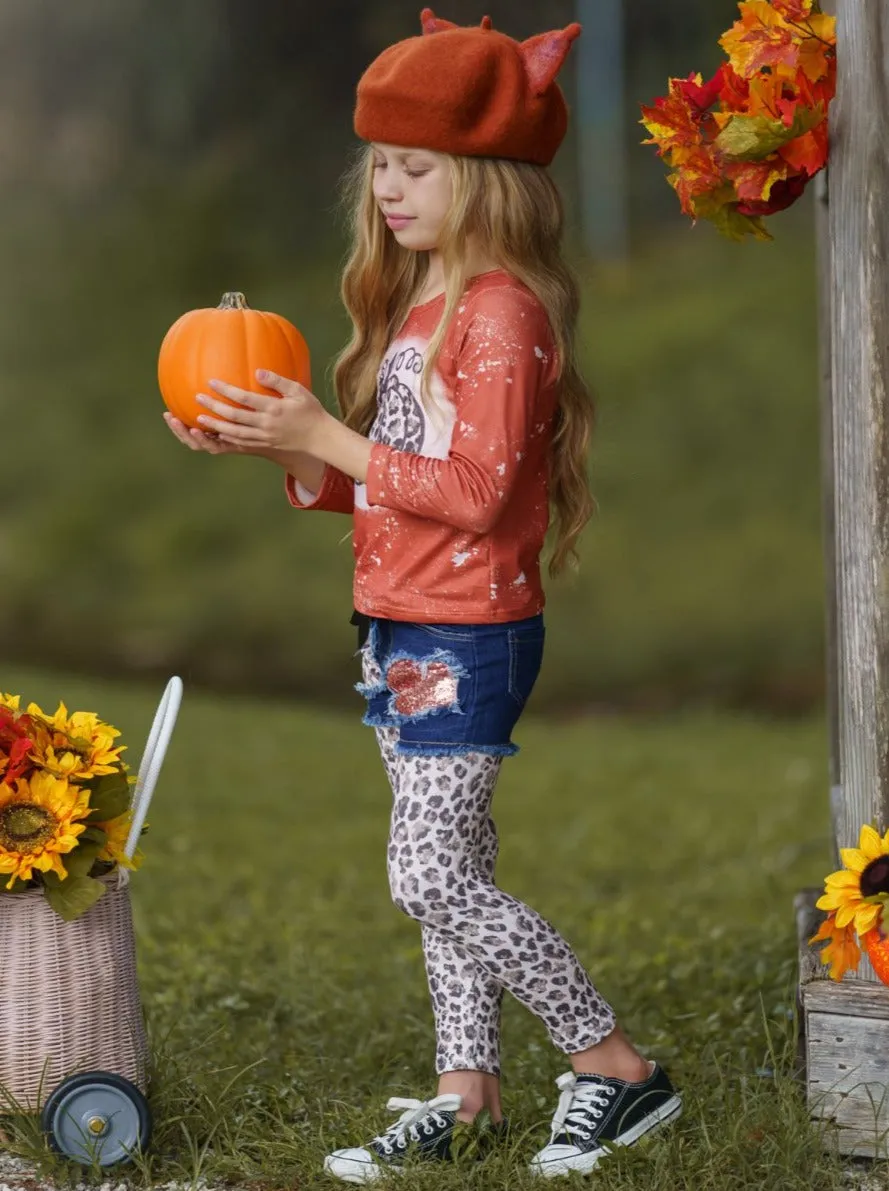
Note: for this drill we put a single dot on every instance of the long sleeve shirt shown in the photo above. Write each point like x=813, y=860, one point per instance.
x=450, y=524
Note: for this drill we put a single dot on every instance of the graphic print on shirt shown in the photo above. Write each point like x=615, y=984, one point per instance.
x=401, y=421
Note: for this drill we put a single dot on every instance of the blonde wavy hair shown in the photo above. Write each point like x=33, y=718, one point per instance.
x=514, y=213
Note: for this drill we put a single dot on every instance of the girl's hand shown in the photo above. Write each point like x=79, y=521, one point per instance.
x=269, y=425
x=201, y=440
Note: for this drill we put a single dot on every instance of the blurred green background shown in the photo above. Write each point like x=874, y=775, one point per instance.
x=154, y=155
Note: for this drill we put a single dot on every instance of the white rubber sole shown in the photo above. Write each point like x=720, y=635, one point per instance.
x=668, y=1111
x=352, y=1170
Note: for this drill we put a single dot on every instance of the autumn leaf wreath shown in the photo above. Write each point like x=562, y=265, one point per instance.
x=747, y=143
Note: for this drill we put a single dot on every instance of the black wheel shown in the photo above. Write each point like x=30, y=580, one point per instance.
x=97, y=1117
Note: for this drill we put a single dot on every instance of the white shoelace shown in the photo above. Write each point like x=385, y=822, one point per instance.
x=577, y=1103
x=406, y=1127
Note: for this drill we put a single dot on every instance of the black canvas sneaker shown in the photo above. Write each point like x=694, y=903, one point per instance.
x=428, y=1129
x=595, y=1113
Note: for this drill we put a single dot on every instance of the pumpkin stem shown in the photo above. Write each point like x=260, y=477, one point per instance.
x=233, y=301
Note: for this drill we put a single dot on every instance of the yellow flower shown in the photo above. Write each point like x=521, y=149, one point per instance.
x=842, y=952
x=38, y=825
x=77, y=747
x=117, y=831
x=857, y=893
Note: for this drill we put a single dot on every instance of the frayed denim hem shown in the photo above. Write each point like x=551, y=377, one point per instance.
x=378, y=721
x=431, y=749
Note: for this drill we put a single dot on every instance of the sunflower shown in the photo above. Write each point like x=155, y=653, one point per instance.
x=117, y=831
x=38, y=824
x=77, y=747
x=858, y=892
x=842, y=952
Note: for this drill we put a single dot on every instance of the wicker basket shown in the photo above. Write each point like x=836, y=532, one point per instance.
x=69, y=999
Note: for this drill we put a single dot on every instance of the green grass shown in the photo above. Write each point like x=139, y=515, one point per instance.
x=286, y=996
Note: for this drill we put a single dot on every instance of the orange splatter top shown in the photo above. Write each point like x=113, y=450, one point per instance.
x=450, y=524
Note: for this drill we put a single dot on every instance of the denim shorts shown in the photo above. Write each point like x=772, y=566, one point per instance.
x=450, y=688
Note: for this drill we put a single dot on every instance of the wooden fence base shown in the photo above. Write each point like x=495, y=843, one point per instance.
x=844, y=1046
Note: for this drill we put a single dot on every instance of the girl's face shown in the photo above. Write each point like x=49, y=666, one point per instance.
x=413, y=190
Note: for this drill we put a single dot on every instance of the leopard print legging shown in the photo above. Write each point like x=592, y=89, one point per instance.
x=477, y=940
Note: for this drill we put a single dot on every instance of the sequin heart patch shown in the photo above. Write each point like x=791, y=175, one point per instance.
x=421, y=687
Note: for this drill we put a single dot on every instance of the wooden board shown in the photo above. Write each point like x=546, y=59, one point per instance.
x=847, y=1067
x=844, y=1046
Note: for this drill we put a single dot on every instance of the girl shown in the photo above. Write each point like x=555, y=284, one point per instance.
x=464, y=419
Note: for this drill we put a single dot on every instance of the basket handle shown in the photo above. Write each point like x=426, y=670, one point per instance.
x=153, y=758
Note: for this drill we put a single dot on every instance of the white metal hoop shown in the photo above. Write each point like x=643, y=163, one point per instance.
x=153, y=758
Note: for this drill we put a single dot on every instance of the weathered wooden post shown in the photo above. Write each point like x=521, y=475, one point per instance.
x=846, y=1024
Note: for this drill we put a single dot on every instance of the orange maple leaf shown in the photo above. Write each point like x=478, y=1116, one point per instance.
x=825, y=89
x=817, y=94
x=808, y=153
x=699, y=174
x=770, y=95
x=760, y=38
x=818, y=50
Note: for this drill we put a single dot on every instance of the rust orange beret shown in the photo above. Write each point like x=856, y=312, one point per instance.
x=469, y=91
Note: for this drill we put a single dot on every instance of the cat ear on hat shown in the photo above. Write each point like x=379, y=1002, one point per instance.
x=544, y=55
x=433, y=24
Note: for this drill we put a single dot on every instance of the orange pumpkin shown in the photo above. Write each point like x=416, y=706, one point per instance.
x=876, y=944
x=227, y=343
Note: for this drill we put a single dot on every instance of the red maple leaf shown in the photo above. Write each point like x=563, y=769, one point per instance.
x=735, y=89
x=15, y=744
x=702, y=96
x=784, y=194
x=793, y=10
x=751, y=178
x=672, y=121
